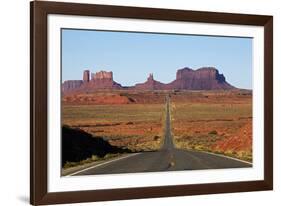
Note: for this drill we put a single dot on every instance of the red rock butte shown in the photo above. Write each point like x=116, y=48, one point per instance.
x=205, y=78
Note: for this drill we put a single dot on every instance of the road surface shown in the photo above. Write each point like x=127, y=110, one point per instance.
x=168, y=158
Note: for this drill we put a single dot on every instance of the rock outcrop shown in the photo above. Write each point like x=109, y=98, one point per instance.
x=150, y=84
x=70, y=85
x=99, y=80
x=86, y=76
x=102, y=75
x=205, y=78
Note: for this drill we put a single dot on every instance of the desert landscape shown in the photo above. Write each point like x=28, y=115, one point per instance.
x=204, y=113
x=219, y=122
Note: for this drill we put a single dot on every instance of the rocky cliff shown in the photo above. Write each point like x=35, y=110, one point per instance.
x=102, y=75
x=205, y=78
x=101, y=80
x=70, y=85
x=150, y=84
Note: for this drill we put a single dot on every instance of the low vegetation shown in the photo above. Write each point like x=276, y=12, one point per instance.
x=137, y=127
x=89, y=160
x=218, y=122
x=223, y=124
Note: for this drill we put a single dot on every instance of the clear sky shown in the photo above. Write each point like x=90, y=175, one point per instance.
x=132, y=56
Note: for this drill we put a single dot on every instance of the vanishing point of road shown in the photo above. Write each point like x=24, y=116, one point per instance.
x=168, y=158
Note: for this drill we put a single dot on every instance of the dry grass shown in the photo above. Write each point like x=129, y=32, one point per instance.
x=137, y=127
x=215, y=121
x=94, y=158
x=216, y=126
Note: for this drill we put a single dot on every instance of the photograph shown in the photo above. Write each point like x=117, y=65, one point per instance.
x=130, y=102
x=134, y=102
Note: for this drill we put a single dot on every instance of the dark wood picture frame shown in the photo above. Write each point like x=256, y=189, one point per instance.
x=38, y=102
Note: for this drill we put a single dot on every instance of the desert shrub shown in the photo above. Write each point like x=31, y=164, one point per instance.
x=69, y=164
x=131, y=99
x=124, y=94
x=156, y=138
x=213, y=132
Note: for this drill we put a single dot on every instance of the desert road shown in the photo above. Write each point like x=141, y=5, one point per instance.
x=168, y=158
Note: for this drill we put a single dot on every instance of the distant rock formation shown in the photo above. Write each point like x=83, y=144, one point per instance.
x=86, y=76
x=205, y=78
x=150, y=84
x=101, y=80
x=70, y=85
x=102, y=75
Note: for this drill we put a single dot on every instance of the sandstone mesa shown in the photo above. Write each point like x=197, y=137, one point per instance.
x=205, y=78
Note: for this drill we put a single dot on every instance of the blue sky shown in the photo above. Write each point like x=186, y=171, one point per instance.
x=132, y=56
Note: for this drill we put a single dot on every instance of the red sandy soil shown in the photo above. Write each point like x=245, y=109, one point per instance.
x=229, y=97
x=236, y=133
x=114, y=97
x=95, y=99
x=130, y=135
x=126, y=129
x=151, y=97
x=241, y=141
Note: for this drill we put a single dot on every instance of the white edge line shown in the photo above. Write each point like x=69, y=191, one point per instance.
x=226, y=157
x=104, y=163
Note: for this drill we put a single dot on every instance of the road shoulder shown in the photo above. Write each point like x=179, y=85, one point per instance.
x=77, y=169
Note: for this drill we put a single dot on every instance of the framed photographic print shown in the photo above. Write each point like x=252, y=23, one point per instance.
x=131, y=102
